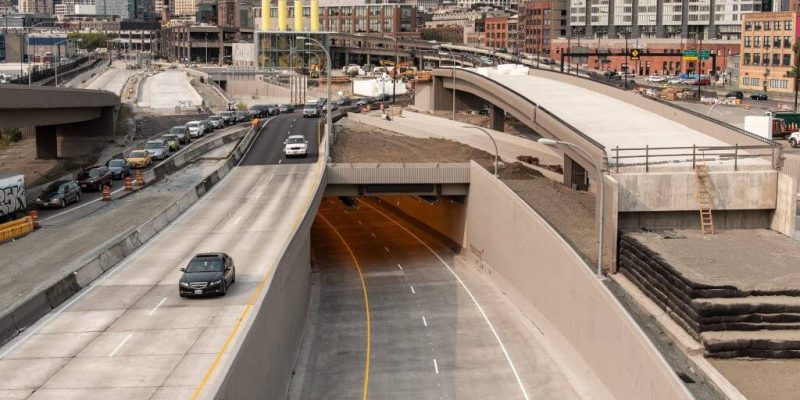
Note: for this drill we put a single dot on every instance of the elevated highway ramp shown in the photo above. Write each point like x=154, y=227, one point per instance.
x=129, y=335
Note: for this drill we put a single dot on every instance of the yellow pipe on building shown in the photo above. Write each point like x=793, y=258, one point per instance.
x=265, y=15
x=314, y=16
x=298, y=15
x=283, y=14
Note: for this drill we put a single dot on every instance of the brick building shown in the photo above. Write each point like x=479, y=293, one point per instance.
x=227, y=13
x=647, y=64
x=541, y=21
x=766, y=51
x=496, y=33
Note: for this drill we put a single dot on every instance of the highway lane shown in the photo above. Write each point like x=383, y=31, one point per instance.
x=129, y=335
x=92, y=201
x=393, y=320
x=270, y=144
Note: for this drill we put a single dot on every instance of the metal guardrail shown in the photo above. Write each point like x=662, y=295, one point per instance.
x=655, y=155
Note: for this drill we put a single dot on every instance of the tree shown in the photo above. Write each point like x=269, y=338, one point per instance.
x=89, y=40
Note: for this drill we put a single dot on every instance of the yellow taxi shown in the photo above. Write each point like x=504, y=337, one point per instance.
x=139, y=159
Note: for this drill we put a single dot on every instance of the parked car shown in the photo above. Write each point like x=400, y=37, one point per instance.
x=285, y=108
x=157, y=148
x=59, y=194
x=295, y=145
x=344, y=102
x=656, y=78
x=195, y=129
x=735, y=94
x=759, y=96
x=207, y=274
x=365, y=101
x=94, y=178
x=675, y=81
x=311, y=110
x=702, y=82
x=228, y=117
x=119, y=168
x=216, y=121
x=172, y=141
x=181, y=132
x=139, y=159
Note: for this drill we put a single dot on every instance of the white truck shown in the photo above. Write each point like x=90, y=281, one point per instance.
x=13, y=203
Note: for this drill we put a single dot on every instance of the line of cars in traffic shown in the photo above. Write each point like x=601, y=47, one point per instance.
x=63, y=192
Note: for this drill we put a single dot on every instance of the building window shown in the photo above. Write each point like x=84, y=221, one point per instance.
x=746, y=59
x=765, y=59
x=787, y=42
x=756, y=41
x=757, y=26
x=779, y=83
x=787, y=60
x=776, y=25
x=776, y=59
x=748, y=26
x=756, y=59
x=787, y=25
x=767, y=25
x=776, y=42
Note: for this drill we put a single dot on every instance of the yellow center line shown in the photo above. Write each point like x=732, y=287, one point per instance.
x=254, y=297
x=366, y=307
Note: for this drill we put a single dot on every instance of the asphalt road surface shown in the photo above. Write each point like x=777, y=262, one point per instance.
x=393, y=320
x=129, y=335
x=268, y=149
x=92, y=201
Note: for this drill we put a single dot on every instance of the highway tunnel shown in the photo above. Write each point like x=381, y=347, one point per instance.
x=387, y=288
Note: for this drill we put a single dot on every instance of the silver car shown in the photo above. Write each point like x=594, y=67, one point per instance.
x=157, y=148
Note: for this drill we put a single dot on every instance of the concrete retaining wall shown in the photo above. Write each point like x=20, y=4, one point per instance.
x=555, y=288
x=27, y=311
x=264, y=354
x=446, y=217
x=730, y=190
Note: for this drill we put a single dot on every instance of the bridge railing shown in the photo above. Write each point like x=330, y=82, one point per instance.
x=397, y=173
x=692, y=155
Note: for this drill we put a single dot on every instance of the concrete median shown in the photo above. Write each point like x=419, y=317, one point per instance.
x=28, y=310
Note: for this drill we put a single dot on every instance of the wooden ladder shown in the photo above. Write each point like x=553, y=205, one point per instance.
x=704, y=201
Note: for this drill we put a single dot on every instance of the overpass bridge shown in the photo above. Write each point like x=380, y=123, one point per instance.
x=128, y=334
x=65, y=119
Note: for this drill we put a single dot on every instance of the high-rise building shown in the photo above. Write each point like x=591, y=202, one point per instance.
x=121, y=8
x=496, y=3
x=710, y=19
x=36, y=6
x=541, y=21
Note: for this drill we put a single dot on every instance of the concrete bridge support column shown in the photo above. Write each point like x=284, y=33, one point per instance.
x=46, y=142
x=498, y=118
x=442, y=99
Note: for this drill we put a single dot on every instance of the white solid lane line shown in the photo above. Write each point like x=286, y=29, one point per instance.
x=435, y=366
x=157, y=305
x=474, y=300
x=119, y=346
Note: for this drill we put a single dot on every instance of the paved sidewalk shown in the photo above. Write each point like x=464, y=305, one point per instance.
x=427, y=126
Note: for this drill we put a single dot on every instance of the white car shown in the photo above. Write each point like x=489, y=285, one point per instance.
x=675, y=81
x=295, y=145
x=656, y=78
x=195, y=129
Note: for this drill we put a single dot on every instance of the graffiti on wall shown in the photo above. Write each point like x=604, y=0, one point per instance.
x=12, y=199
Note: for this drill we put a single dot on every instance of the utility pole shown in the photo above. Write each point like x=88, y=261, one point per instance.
x=796, y=72
x=627, y=61
x=699, y=63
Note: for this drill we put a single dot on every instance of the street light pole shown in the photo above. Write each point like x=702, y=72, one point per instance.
x=396, y=66
x=328, y=116
x=496, y=152
x=599, y=167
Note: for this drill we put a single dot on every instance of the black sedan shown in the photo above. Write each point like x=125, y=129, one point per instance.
x=759, y=96
x=119, y=167
x=59, y=194
x=207, y=274
x=94, y=178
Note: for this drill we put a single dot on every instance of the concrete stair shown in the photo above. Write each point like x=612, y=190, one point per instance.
x=729, y=322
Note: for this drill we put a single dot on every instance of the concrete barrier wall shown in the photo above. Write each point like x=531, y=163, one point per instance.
x=447, y=217
x=264, y=354
x=675, y=191
x=28, y=310
x=784, y=217
x=553, y=286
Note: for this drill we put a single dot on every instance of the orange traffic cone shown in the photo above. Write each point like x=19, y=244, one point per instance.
x=747, y=106
x=128, y=184
x=139, y=179
x=106, y=193
x=35, y=218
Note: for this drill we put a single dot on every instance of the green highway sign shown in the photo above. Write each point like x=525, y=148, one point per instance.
x=692, y=54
